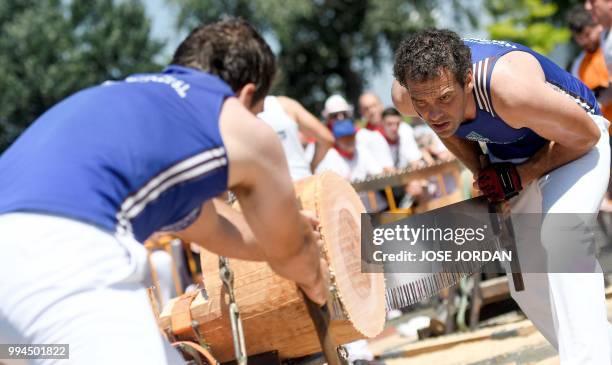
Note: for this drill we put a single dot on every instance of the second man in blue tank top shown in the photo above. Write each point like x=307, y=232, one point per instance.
x=548, y=143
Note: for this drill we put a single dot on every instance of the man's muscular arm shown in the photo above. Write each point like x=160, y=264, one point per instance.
x=259, y=176
x=467, y=151
x=522, y=98
x=233, y=236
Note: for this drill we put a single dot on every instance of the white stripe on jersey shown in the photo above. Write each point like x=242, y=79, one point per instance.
x=187, y=169
x=480, y=85
x=484, y=86
x=474, y=74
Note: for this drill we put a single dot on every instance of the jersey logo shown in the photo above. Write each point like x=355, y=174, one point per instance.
x=473, y=136
x=179, y=86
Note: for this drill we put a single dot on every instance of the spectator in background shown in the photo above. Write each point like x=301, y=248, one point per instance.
x=336, y=108
x=405, y=154
x=347, y=158
x=429, y=143
x=289, y=119
x=590, y=65
x=371, y=109
x=403, y=147
x=601, y=10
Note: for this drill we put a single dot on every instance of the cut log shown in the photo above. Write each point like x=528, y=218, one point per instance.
x=273, y=313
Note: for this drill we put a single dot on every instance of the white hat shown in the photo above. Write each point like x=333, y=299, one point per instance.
x=336, y=103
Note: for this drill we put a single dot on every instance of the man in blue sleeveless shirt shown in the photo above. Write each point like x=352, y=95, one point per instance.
x=549, y=147
x=102, y=170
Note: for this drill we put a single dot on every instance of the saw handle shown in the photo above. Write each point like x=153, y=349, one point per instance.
x=502, y=212
x=320, y=317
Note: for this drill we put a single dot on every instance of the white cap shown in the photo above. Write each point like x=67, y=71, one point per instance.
x=336, y=103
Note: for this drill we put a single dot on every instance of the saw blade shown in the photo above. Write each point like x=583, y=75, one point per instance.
x=408, y=288
x=402, y=177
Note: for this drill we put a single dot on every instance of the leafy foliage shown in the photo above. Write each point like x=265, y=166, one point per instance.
x=324, y=46
x=53, y=48
x=534, y=23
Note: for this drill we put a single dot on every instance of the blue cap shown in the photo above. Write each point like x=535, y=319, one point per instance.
x=343, y=128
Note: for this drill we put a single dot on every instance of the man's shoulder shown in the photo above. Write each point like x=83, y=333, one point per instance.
x=512, y=70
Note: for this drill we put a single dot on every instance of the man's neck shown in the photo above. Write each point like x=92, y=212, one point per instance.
x=470, y=107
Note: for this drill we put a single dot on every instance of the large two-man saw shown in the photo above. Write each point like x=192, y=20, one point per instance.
x=405, y=288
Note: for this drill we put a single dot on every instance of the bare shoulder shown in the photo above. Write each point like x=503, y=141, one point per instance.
x=286, y=101
x=401, y=99
x=513, y=71
x=291, y=106
x=249, y=142
x=515, y=82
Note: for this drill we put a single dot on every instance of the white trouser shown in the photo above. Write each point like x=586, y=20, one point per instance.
x=67, y=282
x=568, y=309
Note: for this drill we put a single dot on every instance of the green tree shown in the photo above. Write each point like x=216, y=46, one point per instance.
x=53, y=48
x=534, y=23
x=325, y=46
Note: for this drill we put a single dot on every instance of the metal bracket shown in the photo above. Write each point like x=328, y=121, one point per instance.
x=227, y=277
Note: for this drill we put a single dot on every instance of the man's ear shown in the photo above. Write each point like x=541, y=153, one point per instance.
x=245, y=95
x=469, y=81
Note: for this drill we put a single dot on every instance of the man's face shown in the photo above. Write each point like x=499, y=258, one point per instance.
x=371, y=108
x=334, y=117
x=601, y=10
x=441, y=102
x=346, y=143
x=588, y=39
x=390, y=125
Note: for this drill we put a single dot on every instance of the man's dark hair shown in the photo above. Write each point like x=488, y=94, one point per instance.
x=390, y=111
x=579, y=18
x=423, y=55
x=232, y=50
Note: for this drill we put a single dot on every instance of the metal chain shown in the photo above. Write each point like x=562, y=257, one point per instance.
x=227, y=277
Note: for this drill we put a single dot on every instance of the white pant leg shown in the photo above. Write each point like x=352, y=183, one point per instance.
x=569, y=309
x=70, y=282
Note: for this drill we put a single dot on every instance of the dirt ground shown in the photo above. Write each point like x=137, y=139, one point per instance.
x=513, y=343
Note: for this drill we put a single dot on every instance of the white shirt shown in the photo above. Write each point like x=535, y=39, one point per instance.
x=406, y=150
x=361, y=166
x=287, y=130
x=376, y=145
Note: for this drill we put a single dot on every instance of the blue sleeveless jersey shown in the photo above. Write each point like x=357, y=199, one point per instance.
x=139, y=155
x=502, y=140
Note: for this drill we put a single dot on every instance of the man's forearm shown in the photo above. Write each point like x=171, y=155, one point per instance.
x=321, y=149
x=548, y=158
x=466, y=151
x=232, y=238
